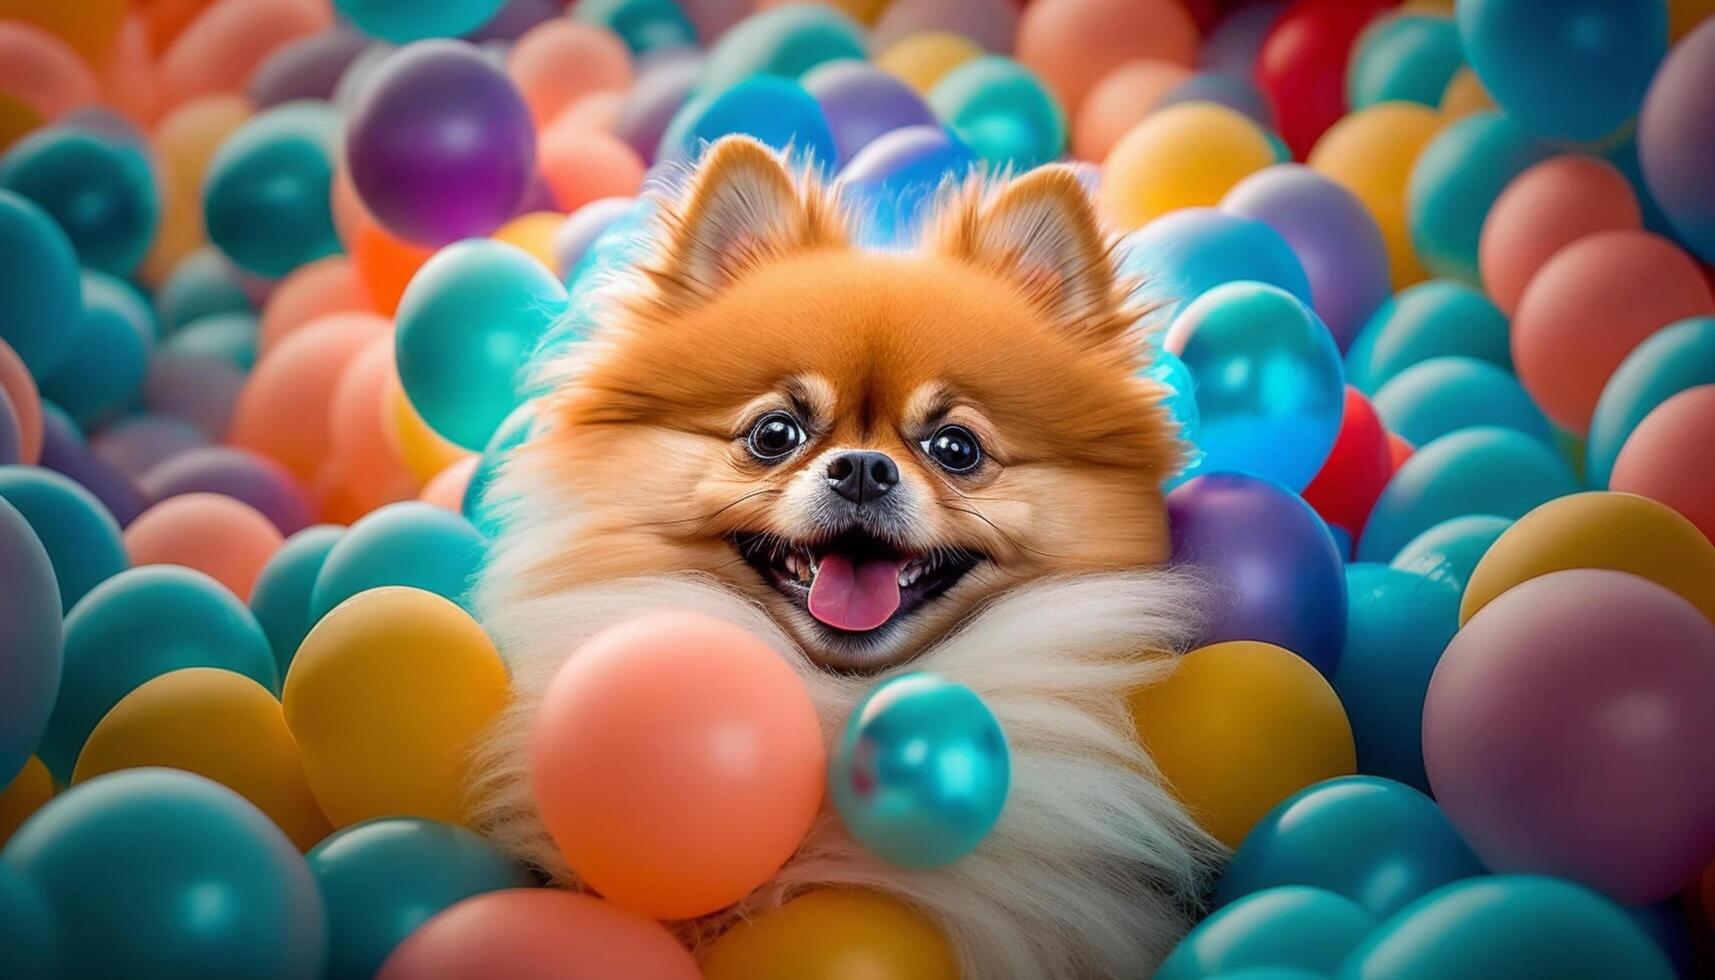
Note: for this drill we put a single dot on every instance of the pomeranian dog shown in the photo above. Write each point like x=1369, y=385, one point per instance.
x=941, y=460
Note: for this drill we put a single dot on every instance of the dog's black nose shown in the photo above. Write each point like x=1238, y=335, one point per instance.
x=862, y=476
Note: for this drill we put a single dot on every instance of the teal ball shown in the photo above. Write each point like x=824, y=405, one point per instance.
x=41, y=292
x=1001, y=110
x=99, y=190
x=411, y=543
x=1674, y=358
x=30, y=640
x=1430, y=319
x=280, y=599
x=1287, y=926
x=1444, y=394
x=82, y=539
x=110, y=348
x=786, y=41
x=266, y=192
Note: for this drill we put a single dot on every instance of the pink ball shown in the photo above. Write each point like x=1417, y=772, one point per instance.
x=1545, y=209
x=224, y=538
x=1667, y=457
x=1568, y=730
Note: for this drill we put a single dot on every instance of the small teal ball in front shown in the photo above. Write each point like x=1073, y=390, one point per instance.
x=1270, y=393
x=158, y=873
x=1454, y=183
x=265, y=195
x=1443, y=394
x=82, y=539
x=1288, y=927
x=1674, y=358
x=280, y=599
x=1451, y=549
x=786, y=41
x=383, y=878
x=1430, y=319
x=30, y=658
x=99, y=189
x=40, y=292
x=400, y=21
x=920, y=773
x=1509, y=927
x=466, y=327
x=1003, y=111
x=412, y=543
x=772, y=110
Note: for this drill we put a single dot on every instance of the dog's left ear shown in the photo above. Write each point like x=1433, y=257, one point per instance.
x=1041, y=232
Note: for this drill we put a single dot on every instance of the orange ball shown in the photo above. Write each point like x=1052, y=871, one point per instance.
x=88, y=27
x=19, y=388
x=446, y=488
x=167, y=19
x=43, y=72
x=1667, y=457
x=327, y=285
x=596, y=112
x=1073, y=43
x=580, y=166
x=1544, y=209
x=128, y=80
x=285, y=407
x=1588, y=306
x=560, y=60
x=223, y=537
x=1120, y=101
x=385, y=264
x=222, y=46
x=678, y=763
x=363, y=471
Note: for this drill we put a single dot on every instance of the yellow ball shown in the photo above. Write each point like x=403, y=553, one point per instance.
x=1465, y=95
x=23, y=796
x=217, y=724
x=1683, y=15
x=185, y=141
x=1370, y=153
x=1240, y=726
x=534, y=233
x=1599, y=529
x=833, y=935
x=421, y=448
x=1186, y=155
x=919, y=60
x=387, y=696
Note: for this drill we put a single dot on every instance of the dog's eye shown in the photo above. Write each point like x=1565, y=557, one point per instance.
x=955, y=448
x=775, y=436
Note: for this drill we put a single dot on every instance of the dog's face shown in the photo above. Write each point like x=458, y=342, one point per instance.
x=868, y=445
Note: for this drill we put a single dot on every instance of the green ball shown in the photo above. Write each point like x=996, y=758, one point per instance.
x=99, y=190
x=1006, y=114
x=39, y=291
x=265, y=197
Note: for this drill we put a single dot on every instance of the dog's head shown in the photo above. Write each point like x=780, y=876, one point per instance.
x=869, y=445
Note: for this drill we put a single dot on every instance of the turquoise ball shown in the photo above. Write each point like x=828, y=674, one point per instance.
x=30, y=640
x=103, y=375
x=99, y=190
x=409, y=543
x=1403, y=58
x=1003, y=111
x=158, y=873
x=786, y=41
x=477, y=506
x=1674, y=358
x=280, y=599
x=203, y=282
x=1443, y=394
x=82, y=539
x=1456, y=180
x=1287, y=926
x=402, y=21
x=1430, y=319
x=41, y=292
x=1451, y=549
x=265, y=195
x=644, y=25
x=772, y=110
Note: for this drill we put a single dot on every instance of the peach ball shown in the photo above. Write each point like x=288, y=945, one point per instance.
x=222, y=537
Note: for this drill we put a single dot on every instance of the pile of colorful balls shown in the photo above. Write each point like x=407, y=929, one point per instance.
x=1434, y=304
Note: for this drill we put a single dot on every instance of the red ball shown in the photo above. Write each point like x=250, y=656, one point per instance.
x=1302, y=65
x=1356, y=470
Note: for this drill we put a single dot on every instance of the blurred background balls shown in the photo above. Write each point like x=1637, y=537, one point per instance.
x=1674, y=136
x=98, y=189
x=265, y=196
x=400, y=21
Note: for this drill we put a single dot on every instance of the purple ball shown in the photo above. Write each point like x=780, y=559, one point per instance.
x=515, y=18
x=583, y=227
x=1237, y=93
x=1274, y=569
x=863, y=102
x=200, y=389
x=1233, y=45
x=135, y=445
x=1676, y=139
x=440, y=144
x=309, y=68
x=237, y=473
x=654, y=99
x=64, y=452
x=1333, y=236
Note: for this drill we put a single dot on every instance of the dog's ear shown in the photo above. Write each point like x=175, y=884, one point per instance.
x=1041, y=232
x=742, y=207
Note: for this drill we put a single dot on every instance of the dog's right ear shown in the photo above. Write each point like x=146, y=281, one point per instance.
x=742, y=208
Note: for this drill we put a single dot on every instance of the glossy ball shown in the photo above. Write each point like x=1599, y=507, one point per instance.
x=1676, y=138
x=1455, y=181
x=30, y=629
x=40, y=292
x=862, y=102
x=1183, y=156
x=1182, y=255
x=400, y=21
x=81, y=537
x=1288, y=926
x=1443, y=394
x=1675, y=358
x=406, y=543
x=98, y=189
x=829, y=934
x=1427, y=320
x=1661, y=459
x=280, y=599
x=1002, y=111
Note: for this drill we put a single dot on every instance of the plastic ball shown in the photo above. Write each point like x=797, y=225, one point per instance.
x=220, y=46
x=1371, y=153
x=786, y=41
x=830, y=934
x=920, y=59
x=284, y=408
x=776, y=111
x=30, y=640
x=1566, y=71
x=476, y=504
x=1071, y=44
x=861, y=102
x=993, y=24
x=1288, y=926
x=561, y=60
x=659, y=91
x=1182, y=255
x=27, y=927
x=81, y=538
x=399, y=21
x=1675, y=138
x=1479, y=470
x=408, y=543
x=1555, y=668
x=104, y=372
x=26, y=793
x=64, y=452
x=1358, y=467
x=516, y=931
x=1662, y=460
x=1455, y=182
x=383, y=878
x=280, y=599
x=138, y=625
x=265, y=196
x=362, y=472
x=1431, y=319
x=645, y=26
x=1233, y=336
x=633, y=778
x=219, y=535
x=1333, y=236
x=1302, y=65
x=1002, y=111
x=1451, y=549
x=18, y=390
x=1443, y=394
x=1186, y=155
x=40, y=74
x=893, y=180
x=1671, y=360
x=354, y=701
x=98, y=189
x=309, y=68
x=40, y=292
x=164, y=845
x=449, y=488
x=440, y=144
x=1544, y=209
x=203, y=284
x=312, y=290
x=1120, y=100
x=1404, y=57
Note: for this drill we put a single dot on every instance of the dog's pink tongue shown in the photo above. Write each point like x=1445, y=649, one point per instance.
x=855, y=598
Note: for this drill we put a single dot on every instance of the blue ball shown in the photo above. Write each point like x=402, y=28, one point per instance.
x=1482, y=470
x=467, y=325
x=40, y=292
x=786, y=41
x=1379, y=843
x=1269, y=389
x=893, y=179
x=82, y=539
x=1288, y=926
x=1181, y=255
x=400, y=21
x=203, y=282
x=30, y=635
x=1443, y=394
x=1451, y=549
x=265, y=196
x=1509, y=927
x=1456, y=180
x=773, y=110
x=920, y=772
x=1403, y=58
x=644, y=25
x=1565, y=69
x=1397, y=625
x=477, y=506
x=1002, y=111
x=136, y=626
x=1430, y=319
x=383, y=878
x=110, y=347
x=99, y=189
x=280, y=599
x=1674, y=358
x=1180, y=400
x=409, y=543
x=159, y=873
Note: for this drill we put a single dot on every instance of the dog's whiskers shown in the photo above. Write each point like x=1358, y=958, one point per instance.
x=705, y=519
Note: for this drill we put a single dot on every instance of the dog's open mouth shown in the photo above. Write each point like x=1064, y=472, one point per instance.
x=854, y=583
